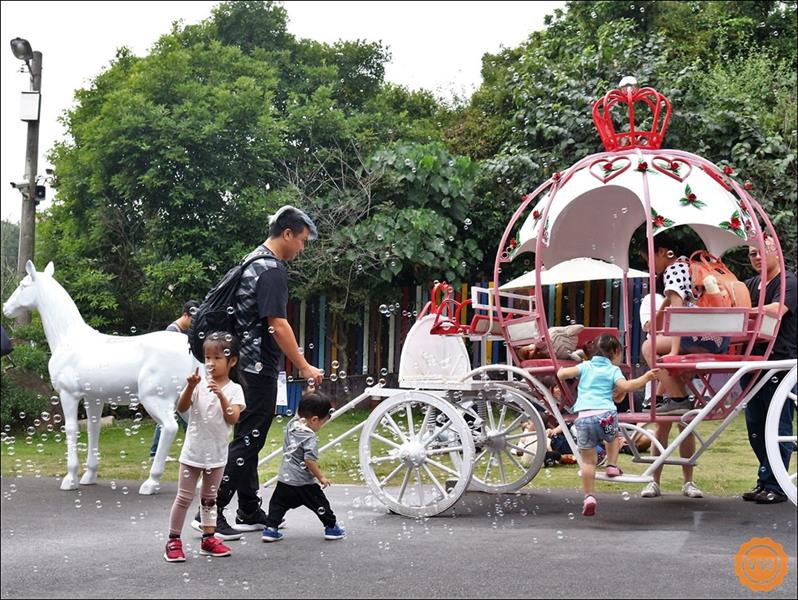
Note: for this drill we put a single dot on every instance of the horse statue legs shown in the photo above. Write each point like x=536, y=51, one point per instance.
x=69, y=404
x=94, y=412
x=165, y=417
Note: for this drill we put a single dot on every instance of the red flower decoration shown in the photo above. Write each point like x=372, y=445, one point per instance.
x=642, y=166
x=735, y=223
x=535, y=214
x=556, y=176
x=691, y=197
x=728, y=170
x=674, y=166
x=659, y=221
x=607, y=166
x=513, y=243
x=748, y=185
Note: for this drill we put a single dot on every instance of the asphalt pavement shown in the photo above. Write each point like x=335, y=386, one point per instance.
x=106, y=541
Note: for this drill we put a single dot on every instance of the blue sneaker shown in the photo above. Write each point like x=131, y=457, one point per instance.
x=333, y=533
x=271, y=535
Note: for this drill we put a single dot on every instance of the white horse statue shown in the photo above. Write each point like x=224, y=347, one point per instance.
x=104, y=368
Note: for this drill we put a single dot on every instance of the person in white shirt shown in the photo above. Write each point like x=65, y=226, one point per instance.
x=213, y=404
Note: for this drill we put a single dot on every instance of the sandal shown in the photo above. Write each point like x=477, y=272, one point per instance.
x=613, y=471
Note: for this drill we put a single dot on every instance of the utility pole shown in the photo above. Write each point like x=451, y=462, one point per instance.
x=31, y=108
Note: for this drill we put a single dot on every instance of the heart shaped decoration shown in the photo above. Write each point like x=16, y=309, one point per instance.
x=678, y=168
x=609, y=169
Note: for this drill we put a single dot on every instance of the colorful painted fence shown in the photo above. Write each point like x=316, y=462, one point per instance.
x=373, y=346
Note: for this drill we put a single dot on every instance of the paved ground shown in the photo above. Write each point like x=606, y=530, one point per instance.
x=106, y=541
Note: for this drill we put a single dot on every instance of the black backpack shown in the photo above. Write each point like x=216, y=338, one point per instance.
x=217, y=311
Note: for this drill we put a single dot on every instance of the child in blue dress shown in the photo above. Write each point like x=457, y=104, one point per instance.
x=601, y=384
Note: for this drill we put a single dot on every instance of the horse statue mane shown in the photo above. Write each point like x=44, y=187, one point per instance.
x=98, y=368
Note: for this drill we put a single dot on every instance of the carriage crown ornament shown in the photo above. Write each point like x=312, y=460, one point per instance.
x=630, y=95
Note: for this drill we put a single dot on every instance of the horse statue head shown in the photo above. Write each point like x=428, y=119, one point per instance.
x=26, y=296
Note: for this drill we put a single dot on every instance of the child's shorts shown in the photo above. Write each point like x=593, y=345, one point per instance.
x=591, y=431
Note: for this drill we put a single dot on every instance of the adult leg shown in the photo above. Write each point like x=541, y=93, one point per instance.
x=155, y=437
x=249, y=436
x=668, y=384
x=662, y=432
x=755, y=416
x=686, y=450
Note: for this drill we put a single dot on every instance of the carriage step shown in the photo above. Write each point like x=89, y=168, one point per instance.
x=625, y=478
x=647, y=460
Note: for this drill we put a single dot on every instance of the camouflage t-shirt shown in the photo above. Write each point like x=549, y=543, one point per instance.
x=262, y=293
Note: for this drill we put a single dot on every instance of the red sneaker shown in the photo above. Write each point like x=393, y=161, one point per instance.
x=213, y=546
x=174, y=551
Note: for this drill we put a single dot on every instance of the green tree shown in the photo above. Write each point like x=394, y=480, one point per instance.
x=728, y=69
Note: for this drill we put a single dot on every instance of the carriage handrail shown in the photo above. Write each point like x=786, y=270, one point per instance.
x=337, y=413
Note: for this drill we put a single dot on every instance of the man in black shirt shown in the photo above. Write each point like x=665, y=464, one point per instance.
x=767, y=489
x=265, y=335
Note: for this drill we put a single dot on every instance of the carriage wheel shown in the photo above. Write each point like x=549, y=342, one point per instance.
x=416, y=454
x=507, y=456
x=773, y=441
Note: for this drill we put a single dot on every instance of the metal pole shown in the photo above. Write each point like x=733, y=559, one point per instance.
x=27, y=222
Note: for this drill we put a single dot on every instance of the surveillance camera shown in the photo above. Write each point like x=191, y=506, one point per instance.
x=49, y=171
x=19, y=186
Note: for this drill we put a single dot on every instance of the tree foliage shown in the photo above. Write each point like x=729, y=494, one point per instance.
x=175, y=160
x=728, y=69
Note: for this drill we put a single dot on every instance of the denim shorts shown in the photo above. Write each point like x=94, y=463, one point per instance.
x=591, y=431
x=689, y=345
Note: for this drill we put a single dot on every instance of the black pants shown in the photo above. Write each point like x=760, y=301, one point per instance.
x=249, y=436
x=755, y=416
x=286, y=497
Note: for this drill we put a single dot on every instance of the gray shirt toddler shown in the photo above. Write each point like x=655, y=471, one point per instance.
x=299, y=445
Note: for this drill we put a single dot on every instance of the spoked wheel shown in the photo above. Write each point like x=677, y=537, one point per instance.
x=509, y=439
x=774, y=442
x=416, y=453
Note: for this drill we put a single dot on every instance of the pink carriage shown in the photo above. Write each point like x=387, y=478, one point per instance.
x=451, y=427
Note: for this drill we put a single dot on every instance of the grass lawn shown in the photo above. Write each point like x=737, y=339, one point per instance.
x=727, y=468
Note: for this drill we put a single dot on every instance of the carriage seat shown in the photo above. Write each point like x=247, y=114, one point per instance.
x=738, y=324
x=547, y=365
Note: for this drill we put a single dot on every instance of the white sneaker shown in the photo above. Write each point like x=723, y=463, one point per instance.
x=690, y=490
x=651, y=490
